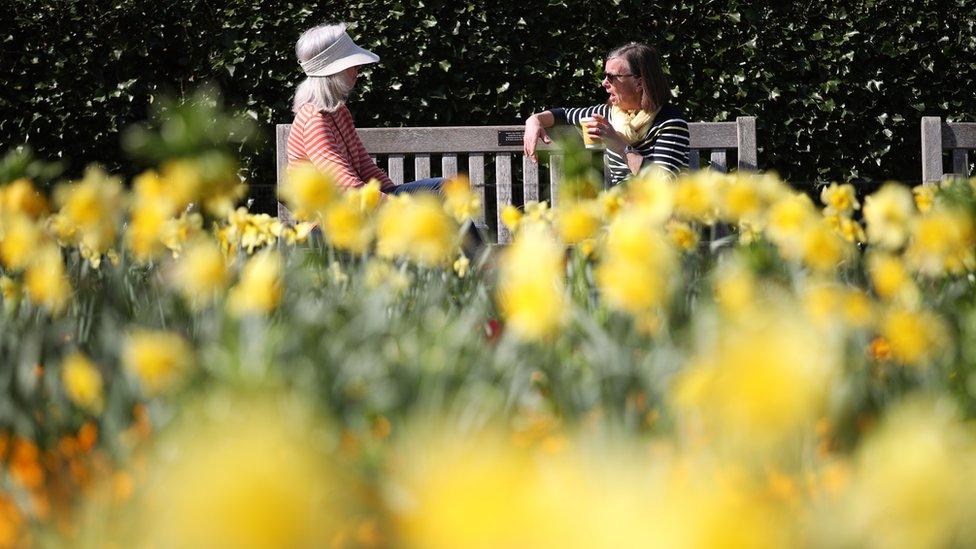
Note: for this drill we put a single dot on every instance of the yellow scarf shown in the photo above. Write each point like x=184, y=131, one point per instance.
x=632, y=125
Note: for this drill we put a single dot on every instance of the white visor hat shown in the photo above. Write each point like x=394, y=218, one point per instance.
x=342, y=54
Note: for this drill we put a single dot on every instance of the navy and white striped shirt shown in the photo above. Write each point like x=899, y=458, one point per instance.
x=665, y=144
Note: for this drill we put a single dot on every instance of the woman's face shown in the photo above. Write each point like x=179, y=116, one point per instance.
x=623, y=86
x=350, y=75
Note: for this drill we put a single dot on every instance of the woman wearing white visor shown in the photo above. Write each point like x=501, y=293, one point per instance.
x=323, y=132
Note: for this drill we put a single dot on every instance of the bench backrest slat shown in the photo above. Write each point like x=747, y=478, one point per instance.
x=395, y=168
x=530, y=180
x=494, y=148
x=960, y=162
x=421, y=166
x=476, y=175
x=718, y=161
x=939, y=136
x=555, y=176
x=503, y=192
x=449, y=165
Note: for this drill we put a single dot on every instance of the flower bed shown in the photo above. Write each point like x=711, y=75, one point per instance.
x=180, y=372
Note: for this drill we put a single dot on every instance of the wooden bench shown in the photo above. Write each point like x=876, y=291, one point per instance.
x=939, y=136
x=492, y=157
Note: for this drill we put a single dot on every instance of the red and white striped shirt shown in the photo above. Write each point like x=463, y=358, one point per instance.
x=330, y=142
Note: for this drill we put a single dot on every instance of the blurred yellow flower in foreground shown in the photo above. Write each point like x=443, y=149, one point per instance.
x=93, y=206
x=759, y=379
x=887, y=214
x=250, y=231
x=240, y=472
x=511, y=216
x=531, y=289
x=652, y=193
x=20, y=238
x=475, y=494
x=461, y=266
x=696, y=196
x=308, y=191
x=941, y=242
x=822, y=248
x=839, y=199
x=158, y=359
x=683, y=235
x=416, y=227
x=912, y=484
x=82, y=382
x=178, y=231
x=46, y=281
x=20, y=197
x=346, y=225
x=200, y=273
x=152, y=206
x=461, y=202
x=260, y=287
x=890, y=278
x=370, y=195
x=787, y=222
x=480, y=491
x=578, y=221
x=914, y=336
x=734, y=286
x=634, y=274
x=924, y=197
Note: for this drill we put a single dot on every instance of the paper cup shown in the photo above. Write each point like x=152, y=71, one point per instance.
x=589, y=142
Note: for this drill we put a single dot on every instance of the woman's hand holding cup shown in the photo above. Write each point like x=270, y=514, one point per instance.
x=599, y=134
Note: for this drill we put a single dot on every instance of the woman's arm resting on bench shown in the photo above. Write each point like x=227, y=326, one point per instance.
x=535, y=129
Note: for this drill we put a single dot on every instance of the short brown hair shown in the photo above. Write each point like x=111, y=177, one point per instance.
x=645, y=63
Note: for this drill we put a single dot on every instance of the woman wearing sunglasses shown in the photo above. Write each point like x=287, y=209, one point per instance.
x=637, y=125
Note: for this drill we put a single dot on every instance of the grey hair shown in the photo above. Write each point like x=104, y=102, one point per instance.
x=326, y=93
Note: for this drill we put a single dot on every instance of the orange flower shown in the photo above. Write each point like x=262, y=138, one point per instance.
x=11, y=523
x=24, y=465
x=879, y=349
x=87, y=436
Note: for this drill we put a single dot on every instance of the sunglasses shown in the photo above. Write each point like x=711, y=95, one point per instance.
x=614, y=78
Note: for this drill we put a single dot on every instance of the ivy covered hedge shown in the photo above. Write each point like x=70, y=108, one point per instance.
x=839, y=88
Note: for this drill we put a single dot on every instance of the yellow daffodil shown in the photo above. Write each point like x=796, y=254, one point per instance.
x=940, y=242
x=888, y=213
x=911, y=485
x=924, y=197
x=83, y=382
x=46, y=281
x=158, y=359
x=260, y=287
x=839, y=199
x=653, y=193
x=511, y=216
x=308, y=191
x=20, y=238
x=347, y=227
x=461, y=201
x=915, y=336
x=257, y=477
x=93, y=207
x=20, y=197
x=636, y=264
x=578, y=221
x=416, y=228
x=201, y=273
x=531, y=288
x=683, y=235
